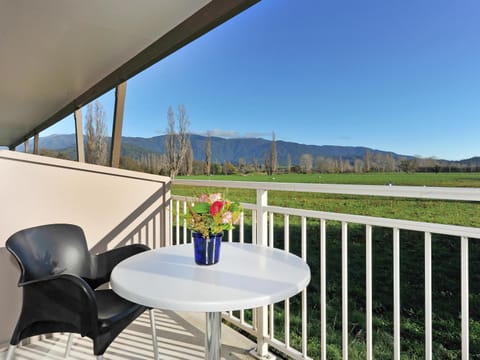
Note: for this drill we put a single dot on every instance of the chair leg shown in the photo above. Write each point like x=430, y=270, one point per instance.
x=69, y=345
x=11, y=350
x=154, y=334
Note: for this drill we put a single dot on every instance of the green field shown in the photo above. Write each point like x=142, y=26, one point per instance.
x=436, y=211
x=397, y=178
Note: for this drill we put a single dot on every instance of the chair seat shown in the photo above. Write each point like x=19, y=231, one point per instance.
x=113, y=308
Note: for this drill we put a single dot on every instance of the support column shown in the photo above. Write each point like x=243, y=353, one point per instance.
x=79, y=135
x=120, y=93
x=26, y=144
x=36, y=139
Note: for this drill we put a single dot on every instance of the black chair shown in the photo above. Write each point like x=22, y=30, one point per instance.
x=60, y=277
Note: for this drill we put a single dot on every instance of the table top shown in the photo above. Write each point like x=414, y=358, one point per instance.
x=247, y=276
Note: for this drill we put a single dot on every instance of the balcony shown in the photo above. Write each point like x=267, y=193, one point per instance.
x=341, y=249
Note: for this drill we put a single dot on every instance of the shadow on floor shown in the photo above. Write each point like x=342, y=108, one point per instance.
x=180, y=337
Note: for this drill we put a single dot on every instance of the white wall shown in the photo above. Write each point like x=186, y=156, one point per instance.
x=113, y=206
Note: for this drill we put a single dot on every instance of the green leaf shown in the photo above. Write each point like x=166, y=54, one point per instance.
x=235, y=207
x=201, y=208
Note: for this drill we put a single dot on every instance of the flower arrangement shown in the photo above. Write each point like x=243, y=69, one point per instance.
x=211, y=214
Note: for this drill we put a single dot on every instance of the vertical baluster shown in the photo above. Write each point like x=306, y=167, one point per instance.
x=344, y=291
x=396, y=294
x=242, y=227
x=323, y=288
x=428, y=296
x=270, y=229
x=254, y=226
x=465, y=296
x=286, y=232
x=271, y=307
x=169, y=241
x=177, y=221
x=304, y=292
x=242, y=240
x=184, y=223
x=368, y=280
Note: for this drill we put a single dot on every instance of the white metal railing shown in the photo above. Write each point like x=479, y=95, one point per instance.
x=262, y=218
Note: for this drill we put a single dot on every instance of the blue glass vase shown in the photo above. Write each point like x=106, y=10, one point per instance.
x=207, y=251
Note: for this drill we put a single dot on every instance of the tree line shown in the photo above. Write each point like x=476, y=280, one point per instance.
x=178, y=157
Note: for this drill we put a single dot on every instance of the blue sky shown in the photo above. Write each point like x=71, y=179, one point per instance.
x=400, y=75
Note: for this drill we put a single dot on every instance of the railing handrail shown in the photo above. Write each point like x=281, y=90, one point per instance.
x=454, y=230
x=263, y=218
x=420, y=192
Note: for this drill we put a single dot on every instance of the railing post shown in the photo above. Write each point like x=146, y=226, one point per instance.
x=465, y=316
x=262, y=312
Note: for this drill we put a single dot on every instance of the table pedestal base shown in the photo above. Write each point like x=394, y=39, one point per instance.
x=213, y=335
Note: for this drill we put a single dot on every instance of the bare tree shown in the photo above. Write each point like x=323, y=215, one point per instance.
x=391, y=164
x=188, y=163
x=267, y=164
x=358, y=165
x=177, y=139
x=367, y=161
x=318, y=164
x=256, y=166
x=289, y=163
x=95, y=128
x=409, y=165
x=273, y=155
x=242, y=165
x=306, y=163
x=347, y=166
x=208, y=154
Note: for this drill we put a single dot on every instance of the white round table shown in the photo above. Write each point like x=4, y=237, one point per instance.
x=247, y=276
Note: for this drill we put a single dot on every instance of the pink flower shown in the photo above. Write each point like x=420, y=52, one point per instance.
x=227, y=217
x=237, y=220
x=204, y=198
x=216, y=207
x=215, y=197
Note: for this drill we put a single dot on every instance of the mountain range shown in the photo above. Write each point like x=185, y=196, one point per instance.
x=232, y=149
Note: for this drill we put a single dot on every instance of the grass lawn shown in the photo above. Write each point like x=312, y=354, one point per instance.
x=435, y=211
x=415, y=179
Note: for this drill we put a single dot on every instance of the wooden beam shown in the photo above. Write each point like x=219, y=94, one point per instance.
x=79, y=135
x=36, y=140
x=120, y=92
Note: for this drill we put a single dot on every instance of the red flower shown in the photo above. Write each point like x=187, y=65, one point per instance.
x=216, y=207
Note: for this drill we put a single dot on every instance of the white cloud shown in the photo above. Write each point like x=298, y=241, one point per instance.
x=231, y=134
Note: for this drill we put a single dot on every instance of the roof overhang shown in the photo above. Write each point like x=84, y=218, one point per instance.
x=59, y=55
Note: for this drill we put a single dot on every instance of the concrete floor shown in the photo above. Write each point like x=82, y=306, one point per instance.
x=180, y=337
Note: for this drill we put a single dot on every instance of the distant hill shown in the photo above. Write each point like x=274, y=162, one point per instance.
x=471, y=161
x=231, y=150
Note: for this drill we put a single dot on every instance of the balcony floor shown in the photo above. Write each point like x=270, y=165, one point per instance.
x=180, y=337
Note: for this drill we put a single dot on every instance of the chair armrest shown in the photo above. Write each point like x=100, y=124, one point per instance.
x=106, y=261
x=63, y=299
